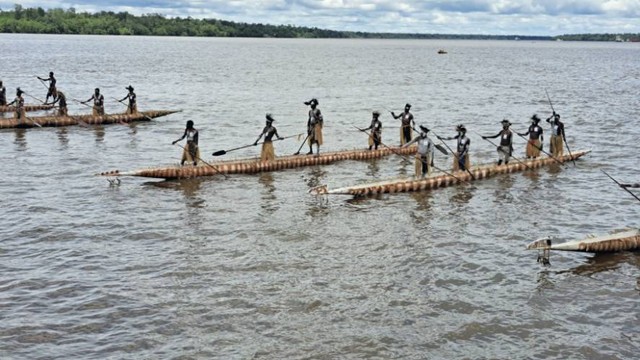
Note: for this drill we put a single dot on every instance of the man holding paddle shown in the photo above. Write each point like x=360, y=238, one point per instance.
x=52, y=87
x=534, y=144
x=61, y=99
x=505, y=149
x=314, y=126
x=407, y=124
x=191, y=152
x=19, y=103
x=376, y=131
x=425, y=153
x=268, y=154
x=556, y=145
x=132, y=108
x=461, y=160
x=98, y=103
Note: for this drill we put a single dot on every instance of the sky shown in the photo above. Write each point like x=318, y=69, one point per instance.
x=491, y=17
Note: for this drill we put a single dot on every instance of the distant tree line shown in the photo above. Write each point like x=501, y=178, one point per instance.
x=60, y=21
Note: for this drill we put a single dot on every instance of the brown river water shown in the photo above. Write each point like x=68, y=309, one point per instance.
x=254, y=267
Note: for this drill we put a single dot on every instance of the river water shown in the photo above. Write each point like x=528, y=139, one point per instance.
x=253, y=266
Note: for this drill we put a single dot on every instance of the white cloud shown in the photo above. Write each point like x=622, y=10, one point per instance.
x=506, y=17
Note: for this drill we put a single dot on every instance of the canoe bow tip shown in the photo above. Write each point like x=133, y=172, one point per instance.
x=319, y=190
x=540, y=244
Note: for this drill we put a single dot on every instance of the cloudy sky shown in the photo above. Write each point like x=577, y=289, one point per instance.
x=496, y=17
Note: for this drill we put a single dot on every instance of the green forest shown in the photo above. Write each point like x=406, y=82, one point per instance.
x=61, y=21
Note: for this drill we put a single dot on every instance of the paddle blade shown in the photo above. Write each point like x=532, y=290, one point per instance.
x=219, y=152
x=442, y=149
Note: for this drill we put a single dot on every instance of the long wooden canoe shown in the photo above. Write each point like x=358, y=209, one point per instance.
x=254, y=165
x=6, y=108
x=54, y=121
x=626, y=240
x=443, y=180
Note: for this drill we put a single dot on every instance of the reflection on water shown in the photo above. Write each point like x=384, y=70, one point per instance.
x=20, y=139
x=189, y=188
x=372, y=168
x=503, y=190
x=269, y=203
x=316, y=174
x=463, y=194
x=99, y=130
x=63, y=136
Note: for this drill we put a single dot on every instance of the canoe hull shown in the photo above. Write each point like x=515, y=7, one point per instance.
x=628, y=240
x=440, y=181
x=58, y=121
x=6, y=108
x=253, y=166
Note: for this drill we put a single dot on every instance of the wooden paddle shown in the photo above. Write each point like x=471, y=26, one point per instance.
x=301, y=145
x=409, y=160
x=563, y=136
x=620, y=185
x=222, y=152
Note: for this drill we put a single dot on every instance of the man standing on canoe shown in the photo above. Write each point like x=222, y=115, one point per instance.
x=314, y=126
x=3, y=94
x=98, y=103
x=506, y=142
x=556, y=144
x=376, y=131
x=534, y=145
x=19, y=104
x=61, y=99
x=268, y=154
x=52, y=87
x=424, y=155
x=407, y=124
x=461, y=159
x=132, y=108
x=191, y=152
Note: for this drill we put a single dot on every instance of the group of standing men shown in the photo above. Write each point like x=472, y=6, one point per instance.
x=425, y=151
x=60, y=101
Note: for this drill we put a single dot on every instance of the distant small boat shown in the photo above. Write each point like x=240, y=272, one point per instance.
x=442, y=51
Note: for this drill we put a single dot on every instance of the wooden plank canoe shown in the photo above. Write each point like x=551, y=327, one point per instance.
x=5, y=108
x=444, y=180
x=254, y=165
x=626, y=240
x=54, y=121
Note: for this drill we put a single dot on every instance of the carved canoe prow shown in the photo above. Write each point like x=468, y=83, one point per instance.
x=618, y=241
x=57, y=121
x=444, y=180
x=254, y=165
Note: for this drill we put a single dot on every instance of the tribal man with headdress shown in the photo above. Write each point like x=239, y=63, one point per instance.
x=132, y=108
x=268, y=154
x=98, y=102
x=461, y=159
x=375, y=139
x=314, y=126
x=191, y=152
x=406, y=125
x=556, y=144
x=19, y=104
x=534, y=145
x=424, y=155
x=505, y=149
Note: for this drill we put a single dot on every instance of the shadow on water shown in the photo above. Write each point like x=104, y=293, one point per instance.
x=595, y=264
x=188, y=187
x=63, y=136
x=99, y=130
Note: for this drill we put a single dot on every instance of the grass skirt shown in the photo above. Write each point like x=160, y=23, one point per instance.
x=267, y=154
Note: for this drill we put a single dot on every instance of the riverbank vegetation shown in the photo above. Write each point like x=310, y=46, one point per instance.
x=61, y=21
